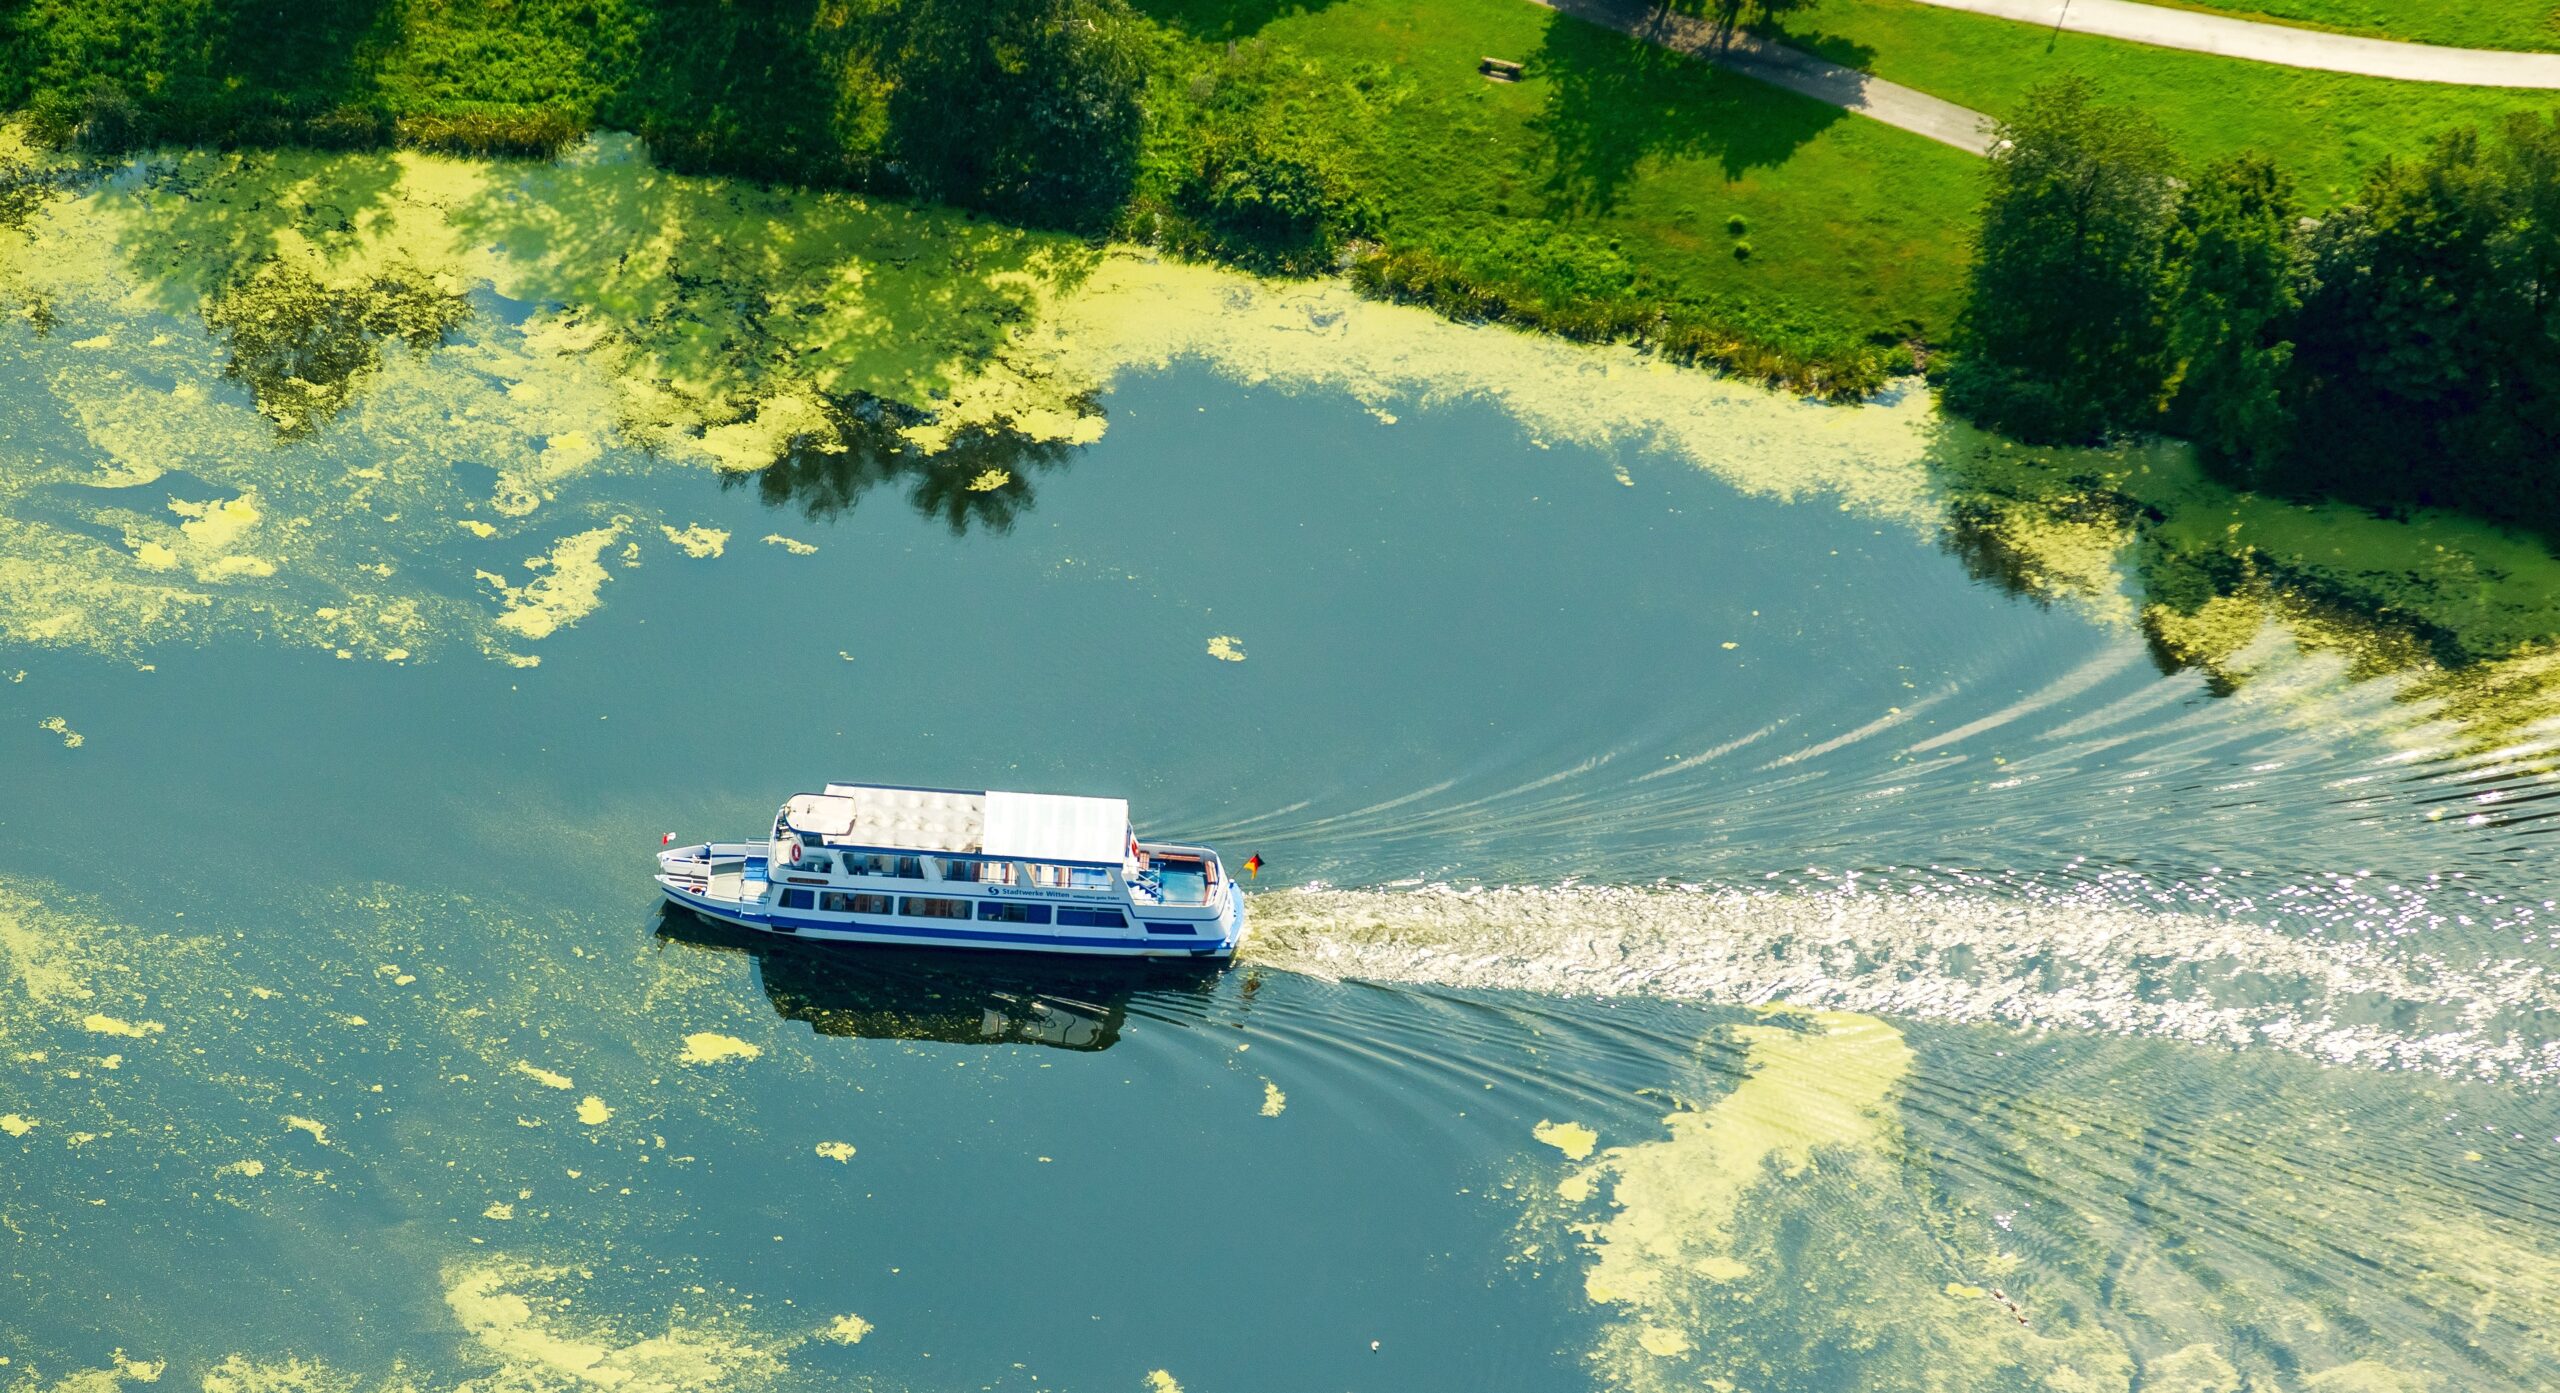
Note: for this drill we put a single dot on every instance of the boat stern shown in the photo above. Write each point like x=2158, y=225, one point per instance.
x=709, y=870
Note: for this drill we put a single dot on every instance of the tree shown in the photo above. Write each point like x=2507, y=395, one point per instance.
x=2233, y=265
x=2063, y=338
x=2395, y=352
x=2525, y=322
x=1028, y=108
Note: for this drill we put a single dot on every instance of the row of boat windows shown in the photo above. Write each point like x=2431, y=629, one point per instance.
x=985, y=911
x=955, y=868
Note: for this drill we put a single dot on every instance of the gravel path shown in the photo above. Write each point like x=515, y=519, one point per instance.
x=2275, y=43
x=1797, y=71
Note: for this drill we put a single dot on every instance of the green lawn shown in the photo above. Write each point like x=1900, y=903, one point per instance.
x=2324, y=127
x=2517, y=24
x=1615, y=151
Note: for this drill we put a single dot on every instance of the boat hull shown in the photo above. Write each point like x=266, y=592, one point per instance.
x=1218, y=944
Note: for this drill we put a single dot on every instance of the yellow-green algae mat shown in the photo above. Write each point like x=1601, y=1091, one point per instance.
x=1791, y=1190
x=175, y=1070
x=247, y=391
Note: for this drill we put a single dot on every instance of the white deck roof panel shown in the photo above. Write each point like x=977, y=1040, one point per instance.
x=821, y=814
x=1056, y=827
x=911, y=819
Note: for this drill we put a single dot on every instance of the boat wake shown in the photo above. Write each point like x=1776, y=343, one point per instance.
x=2331, y=968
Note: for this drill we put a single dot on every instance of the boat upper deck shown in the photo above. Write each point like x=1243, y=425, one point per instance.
x=1048, y=827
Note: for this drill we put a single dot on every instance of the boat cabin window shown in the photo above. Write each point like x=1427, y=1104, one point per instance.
x=796, y=899
x=977, y=872
x=918, y=907
x=1055, y=877
x=839, y=902
x=1005, y=912
x=817, y=861
x=884, y=863
x=1091, y=918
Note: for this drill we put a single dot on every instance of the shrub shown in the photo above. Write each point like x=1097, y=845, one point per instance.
x=1273, y=202
x=538, y=134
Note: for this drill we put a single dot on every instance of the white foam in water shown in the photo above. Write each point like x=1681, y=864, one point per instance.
x=2357, y=974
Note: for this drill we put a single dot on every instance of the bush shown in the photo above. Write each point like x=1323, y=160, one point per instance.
x=1274, y=202
x=539, y=134
x=101, y=120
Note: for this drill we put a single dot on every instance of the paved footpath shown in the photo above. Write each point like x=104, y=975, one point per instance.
x=2275, y=43
x=1793, y=69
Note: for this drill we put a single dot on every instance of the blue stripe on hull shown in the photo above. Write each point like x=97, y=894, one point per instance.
x=916, y=935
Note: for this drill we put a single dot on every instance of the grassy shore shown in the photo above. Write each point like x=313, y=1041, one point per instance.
x=1617, y=191
x=1614, y=170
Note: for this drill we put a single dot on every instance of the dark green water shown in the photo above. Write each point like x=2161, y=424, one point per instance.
x=1709, y=941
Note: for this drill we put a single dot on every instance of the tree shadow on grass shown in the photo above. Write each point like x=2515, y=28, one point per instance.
x=1615, y=102
x=1224, y=19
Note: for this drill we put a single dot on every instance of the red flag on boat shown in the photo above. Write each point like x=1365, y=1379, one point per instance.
x=668, y=837
x=1253, y=864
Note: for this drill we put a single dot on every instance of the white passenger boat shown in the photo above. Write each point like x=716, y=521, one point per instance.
x=946, y=868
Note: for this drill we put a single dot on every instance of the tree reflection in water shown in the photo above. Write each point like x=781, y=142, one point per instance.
x=979, y=477
x=952, y=996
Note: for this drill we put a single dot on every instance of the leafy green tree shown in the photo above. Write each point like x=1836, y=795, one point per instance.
x=2233, y=266
x=1028, y=108
x=2063, y=338
x=2525, y=319
x=2396, y=354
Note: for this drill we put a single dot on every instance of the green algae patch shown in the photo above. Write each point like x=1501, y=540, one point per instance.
x=1807, y=1090
x=1571, y=1138
x=712, y=1047
x=289, y=393
x=696, y=540
x=2458, y=620
x=303, y=346
x=1703, y=1286
x=301, y=338
x=525, y=1317
x=568, y=585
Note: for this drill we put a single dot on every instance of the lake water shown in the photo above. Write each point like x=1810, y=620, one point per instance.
x=1757, y=899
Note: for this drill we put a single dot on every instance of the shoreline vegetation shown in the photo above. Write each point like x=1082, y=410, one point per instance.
x=1617, y=193
x=357, y=370
x=2399, y=350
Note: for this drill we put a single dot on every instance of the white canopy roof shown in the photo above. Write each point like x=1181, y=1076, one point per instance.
x=1029, y=826
x=1055, y=827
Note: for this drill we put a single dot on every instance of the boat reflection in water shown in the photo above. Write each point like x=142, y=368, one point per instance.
x=956, y=997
